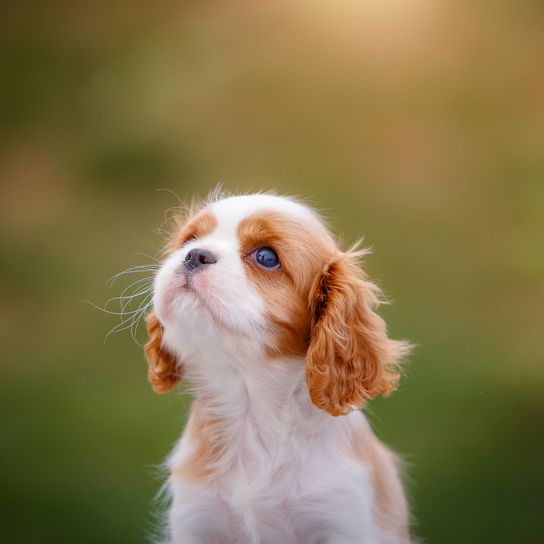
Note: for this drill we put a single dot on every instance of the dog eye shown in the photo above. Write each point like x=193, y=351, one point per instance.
x=266, y=257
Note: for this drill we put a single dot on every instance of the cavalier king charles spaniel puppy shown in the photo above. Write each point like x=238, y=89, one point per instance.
x=273, y=328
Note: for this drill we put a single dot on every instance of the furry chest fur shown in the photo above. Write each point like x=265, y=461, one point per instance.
x=268, y=488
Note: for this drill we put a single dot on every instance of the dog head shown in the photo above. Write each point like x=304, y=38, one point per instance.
x=263, y=271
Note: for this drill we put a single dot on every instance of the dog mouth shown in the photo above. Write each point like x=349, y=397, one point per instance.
x=188, y=287
x=201, y=301
x=177, y=290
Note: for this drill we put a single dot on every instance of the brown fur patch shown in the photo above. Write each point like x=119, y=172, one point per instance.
x=390, y=506
x=163, y=368
x=202, y=224
x=302, y=249
x=206, y=434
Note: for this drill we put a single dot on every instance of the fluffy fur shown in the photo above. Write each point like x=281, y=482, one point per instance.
x=280, y=361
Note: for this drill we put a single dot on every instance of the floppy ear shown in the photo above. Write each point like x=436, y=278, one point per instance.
x=350, y=359
x=164, y=371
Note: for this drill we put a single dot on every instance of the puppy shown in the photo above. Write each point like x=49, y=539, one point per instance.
x=273, y=328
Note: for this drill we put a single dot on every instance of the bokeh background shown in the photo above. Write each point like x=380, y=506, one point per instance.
x=416, y=123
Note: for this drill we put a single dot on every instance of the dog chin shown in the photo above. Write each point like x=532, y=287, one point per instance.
x=189, y=303
x=169, y=295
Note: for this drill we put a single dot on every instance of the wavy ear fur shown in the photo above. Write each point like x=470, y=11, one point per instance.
x=164, y=371
x=350, y=359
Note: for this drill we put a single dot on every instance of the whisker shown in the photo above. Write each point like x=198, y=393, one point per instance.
x=132, y=322
x=141, y=268
x=136, y=285
x=113, y=279
x=147, y=282
x=142, y=254
x=118, y=328
x=135, y=299
x=106, y=311
x=127, y=302
x=142, y=310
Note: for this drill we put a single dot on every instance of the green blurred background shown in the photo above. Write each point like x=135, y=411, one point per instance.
x=416, y=123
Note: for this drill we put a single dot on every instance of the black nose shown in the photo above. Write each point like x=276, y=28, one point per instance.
x=199, y=257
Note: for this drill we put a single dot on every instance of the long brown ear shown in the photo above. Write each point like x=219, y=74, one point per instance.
x=164, y=371
x=350, y=358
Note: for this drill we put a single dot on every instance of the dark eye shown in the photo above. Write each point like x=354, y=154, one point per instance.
x=267, y=257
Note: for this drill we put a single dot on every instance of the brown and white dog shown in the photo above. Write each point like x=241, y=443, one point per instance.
x=274, y=329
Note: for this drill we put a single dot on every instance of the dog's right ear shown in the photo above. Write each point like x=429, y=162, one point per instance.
x=164, y=370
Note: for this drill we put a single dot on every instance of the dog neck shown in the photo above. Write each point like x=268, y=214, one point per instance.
x=252, y=415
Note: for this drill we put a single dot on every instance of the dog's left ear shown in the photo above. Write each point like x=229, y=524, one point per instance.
x=164, y=370
x=350, y=359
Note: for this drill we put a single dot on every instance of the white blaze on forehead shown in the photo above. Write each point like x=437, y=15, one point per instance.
x=230, y=211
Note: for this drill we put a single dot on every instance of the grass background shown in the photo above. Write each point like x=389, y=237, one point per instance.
x=418, y=124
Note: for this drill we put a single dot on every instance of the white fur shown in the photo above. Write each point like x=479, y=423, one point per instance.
x=286, y=476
